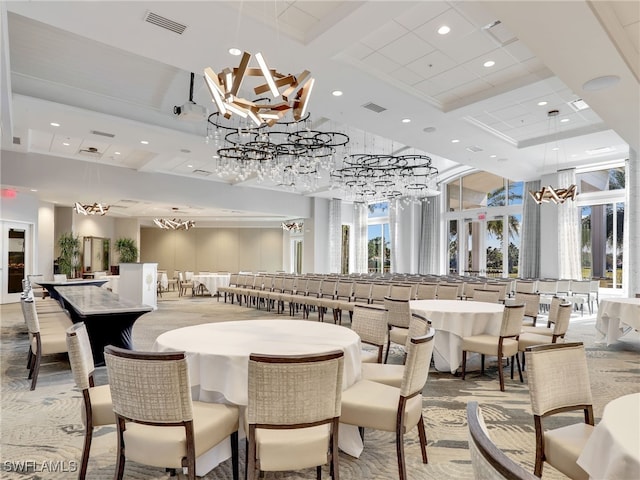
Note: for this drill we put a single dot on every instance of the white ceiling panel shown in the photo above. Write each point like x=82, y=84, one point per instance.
x=431, y=64
x=463, y=49
x=406, y=49
x=459, y=26
x=380, y=62
x=406, y=76
x=384, y=35
x=358, y=51
x=451, y=79
x=421, y=13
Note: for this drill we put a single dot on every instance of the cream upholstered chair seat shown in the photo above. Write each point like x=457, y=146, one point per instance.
x=52, y=340
x=502, y=346
x=563, y=447
x=398, y=318
x=392, y=374
x=560, y=319
x=157, y=422
x=369, y=404
x=97, y=406
x=282, y=450
x=558, y=378
x=147, y=444
x=101, y=406
x=375, y=405
x=293, y=412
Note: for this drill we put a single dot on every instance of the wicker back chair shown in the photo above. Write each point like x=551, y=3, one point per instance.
x=48, y=341
x=151, y=396
x=558, y=378
x=399, y=318
x=286, y=394
x=426, y=291
x=97, y=406
x=370, y=323
x=486, y=295
x=531, y=302
x=488, y=461
x=370, y=404
x=447, y=292
x=392, y=374
x=502, y=346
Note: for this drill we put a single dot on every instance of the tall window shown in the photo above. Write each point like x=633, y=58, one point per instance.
x=488, y=209
x=601, y=223
x=379, y=240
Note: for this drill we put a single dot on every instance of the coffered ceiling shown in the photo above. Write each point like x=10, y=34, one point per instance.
x=111, y=79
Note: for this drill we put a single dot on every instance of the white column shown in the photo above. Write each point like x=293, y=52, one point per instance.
x=631, y=247
x=335, y=235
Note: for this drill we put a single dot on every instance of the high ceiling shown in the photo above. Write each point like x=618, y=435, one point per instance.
x=99, y=68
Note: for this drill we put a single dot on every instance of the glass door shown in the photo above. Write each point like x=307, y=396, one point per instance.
x=16, y=257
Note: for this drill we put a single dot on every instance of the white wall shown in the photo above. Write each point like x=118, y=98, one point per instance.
x=45, y=243
x=549, y=264
x=23, y=208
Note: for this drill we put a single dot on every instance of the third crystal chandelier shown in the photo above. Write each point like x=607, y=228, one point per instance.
x=366, y=177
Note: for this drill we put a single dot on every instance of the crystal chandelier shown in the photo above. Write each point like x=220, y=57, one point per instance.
x=291, y=154
x=365, y=177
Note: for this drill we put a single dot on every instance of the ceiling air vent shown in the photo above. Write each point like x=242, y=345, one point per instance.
x=16, y=141
x=164, y=22
x=373, y=107
x=578, y=105
x=203, y=173
x=103, y=134
x=474, y=149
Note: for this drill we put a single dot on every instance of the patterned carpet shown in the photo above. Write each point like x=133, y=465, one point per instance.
x=42, y=429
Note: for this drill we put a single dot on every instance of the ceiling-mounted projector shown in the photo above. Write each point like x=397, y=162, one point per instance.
x=190, y=111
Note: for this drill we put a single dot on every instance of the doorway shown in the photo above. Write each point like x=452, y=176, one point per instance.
x=16, y=259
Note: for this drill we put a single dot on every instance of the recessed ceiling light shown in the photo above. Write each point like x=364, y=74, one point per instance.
x=555, y=149
x=336, y=93
x=600, y=83
x=54, y=124
x=34, y=189
x=443, y=30
x=215, y=156
x=406, y=120
x=564, y=120
x=542, y=104
x=489, y=63
x=235, y=51
x=116, y=153
x=492, y=156
x=189, y=166
x=66, y=144
x=144, y=142
x=455, y=140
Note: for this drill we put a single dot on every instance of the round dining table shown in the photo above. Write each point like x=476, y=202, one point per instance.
x=616, y=317
x=453, y=320
x=211, y=281
x=613, y=449
x=218, y=362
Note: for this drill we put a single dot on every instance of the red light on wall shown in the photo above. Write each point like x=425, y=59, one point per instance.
x=9, y=193
x=482, y=216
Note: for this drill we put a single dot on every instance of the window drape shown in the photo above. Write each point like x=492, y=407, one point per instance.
x=335, y=235
x=360, y=219
x=429, y=251
x=529, y=261
x=568, y=232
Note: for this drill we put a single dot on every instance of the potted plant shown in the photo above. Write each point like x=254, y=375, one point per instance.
x=69, y=259
x=127, y=250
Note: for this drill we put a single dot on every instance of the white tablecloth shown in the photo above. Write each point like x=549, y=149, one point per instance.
x=613, y=450
x=163, y=279
x=112, y=282
x=218, y=359
x=212, y=281
x=617, y=317
x=454, y=319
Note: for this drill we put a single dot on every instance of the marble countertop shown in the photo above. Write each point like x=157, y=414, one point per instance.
x=88, y=300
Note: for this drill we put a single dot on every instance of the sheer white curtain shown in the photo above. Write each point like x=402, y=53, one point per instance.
x=529, y=261
x=568, y=231
x=394, y=233
x=429, y=258
x=360, y=237
x=335, y=235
